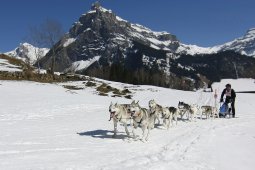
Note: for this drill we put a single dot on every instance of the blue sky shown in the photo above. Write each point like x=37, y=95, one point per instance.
x=200, y=22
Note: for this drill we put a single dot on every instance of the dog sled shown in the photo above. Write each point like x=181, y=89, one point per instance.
x=225, y=109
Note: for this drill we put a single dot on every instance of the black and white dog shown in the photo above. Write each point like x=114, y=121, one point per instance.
x=175, y=113
x=185, y=108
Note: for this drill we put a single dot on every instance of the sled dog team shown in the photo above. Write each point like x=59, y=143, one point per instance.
x=147, y=118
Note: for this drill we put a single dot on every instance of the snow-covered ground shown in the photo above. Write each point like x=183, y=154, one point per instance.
x=47, y=127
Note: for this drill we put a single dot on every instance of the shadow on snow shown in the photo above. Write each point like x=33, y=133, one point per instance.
x=103, y=134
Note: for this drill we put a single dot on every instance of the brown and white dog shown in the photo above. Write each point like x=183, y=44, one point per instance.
x=207, y=111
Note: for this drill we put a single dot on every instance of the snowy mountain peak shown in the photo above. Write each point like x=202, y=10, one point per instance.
x=244, y=45
x=26, y=51
x=97, y=7
x=250, y=33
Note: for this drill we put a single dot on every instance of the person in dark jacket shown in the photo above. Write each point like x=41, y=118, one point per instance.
x=230, y=97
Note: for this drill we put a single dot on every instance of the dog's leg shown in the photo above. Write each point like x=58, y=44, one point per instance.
x=147, y=137
x=133, y=130
x=189, y=116
x=176, y=117
x=154, y=119
x=115, y=128
x=158, y=119
x=170, y=121
x=164, y=122
x=126, y=129
x=199, y=113
x=195, y=116
x=181, y=114
x=143, y=135
x=187, y=113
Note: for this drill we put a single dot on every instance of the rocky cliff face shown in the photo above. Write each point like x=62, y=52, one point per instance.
x=101, y=36
x=104, y=45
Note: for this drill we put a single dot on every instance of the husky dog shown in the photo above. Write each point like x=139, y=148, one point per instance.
x=175, y=113
x=119, y=113
x=155, y=110
x=141, y=117
x=216, y=112
x=127, y=106
x=195, y=109
x=207, y=111
x=185, y=109
x=167, y=117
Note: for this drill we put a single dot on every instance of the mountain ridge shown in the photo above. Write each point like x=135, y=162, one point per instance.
x=104, y=45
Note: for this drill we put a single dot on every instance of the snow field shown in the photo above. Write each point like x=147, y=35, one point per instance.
x=45, y=126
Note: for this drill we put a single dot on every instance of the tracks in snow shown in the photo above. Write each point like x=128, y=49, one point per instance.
x=183, y=140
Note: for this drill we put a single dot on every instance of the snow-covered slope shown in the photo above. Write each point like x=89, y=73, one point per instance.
x=244, y=45
x=44, y=126
x=194, y=49
x=27, y=51
x=6, y=66
x=81, y=65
